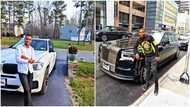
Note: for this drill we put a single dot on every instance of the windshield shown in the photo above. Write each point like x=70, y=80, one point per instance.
x=157, y=36
x=40, y=45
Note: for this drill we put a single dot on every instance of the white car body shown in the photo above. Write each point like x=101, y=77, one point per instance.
x=11, y=82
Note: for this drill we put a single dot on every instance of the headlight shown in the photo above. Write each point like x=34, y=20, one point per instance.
x=37, y=66
x=126, y=56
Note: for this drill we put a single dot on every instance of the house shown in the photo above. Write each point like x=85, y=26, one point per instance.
x=69, y=32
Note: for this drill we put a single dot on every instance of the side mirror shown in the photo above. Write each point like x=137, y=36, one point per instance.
x=160, y=48
x=51, y=50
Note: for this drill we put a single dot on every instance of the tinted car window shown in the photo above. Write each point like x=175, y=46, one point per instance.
x=109, y=28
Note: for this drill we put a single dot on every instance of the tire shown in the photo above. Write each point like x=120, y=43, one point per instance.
x=177, y=54
x=99, y=53
x=45, y=83
x=104, y=38
x=142, y=76
x=54, y=67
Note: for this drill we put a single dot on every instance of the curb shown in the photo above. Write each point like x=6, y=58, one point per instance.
x=151, y=89
x=70, y=91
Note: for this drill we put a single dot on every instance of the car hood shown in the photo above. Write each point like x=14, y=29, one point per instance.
x=8, y=55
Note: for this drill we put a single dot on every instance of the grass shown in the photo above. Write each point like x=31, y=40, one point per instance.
x=85, y=69
x=63, y=44
x=8, y=40
x=83, y=84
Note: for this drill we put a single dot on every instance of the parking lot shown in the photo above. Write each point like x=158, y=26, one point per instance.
x=111, y=91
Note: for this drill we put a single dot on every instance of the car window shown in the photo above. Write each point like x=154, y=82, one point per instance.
x=172, y=37
x=40, y=45
x=165, y=37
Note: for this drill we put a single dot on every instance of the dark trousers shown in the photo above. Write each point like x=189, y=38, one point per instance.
x=151, y=66
x=26, y=81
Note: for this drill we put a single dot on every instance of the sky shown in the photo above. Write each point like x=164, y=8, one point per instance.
x=70, y=9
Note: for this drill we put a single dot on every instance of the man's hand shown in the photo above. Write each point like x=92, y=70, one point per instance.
x=157, y=59
x=24, y=57
x=31, y=61
x=137, y=56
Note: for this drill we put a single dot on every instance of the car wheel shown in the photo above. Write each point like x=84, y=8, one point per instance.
x=142, y=77
x=54, y=67
x=45, y=83
x=177, y=54
x=99, y=53
x=104, y=38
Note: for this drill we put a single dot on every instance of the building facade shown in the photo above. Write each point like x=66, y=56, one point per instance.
x=161, y=15
x=129, y=15
x=183, y=17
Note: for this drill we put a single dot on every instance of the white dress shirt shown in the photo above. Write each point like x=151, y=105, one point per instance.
x=22, y=65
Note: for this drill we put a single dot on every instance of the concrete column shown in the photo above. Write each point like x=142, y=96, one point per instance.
x=130, y=16
x=144, y=25
x=110, y=13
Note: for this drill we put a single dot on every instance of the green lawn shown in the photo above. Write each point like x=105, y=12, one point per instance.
x=8, y=40
x=57, y=43
x=64, y=44
x=83, y=85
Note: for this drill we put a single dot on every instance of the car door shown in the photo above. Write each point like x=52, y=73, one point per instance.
x=113, y=33
x=164, y=48
x=52, y=54
x=173, y=43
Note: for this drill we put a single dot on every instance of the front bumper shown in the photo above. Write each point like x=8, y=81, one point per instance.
x=117, y=72
x=12, y=83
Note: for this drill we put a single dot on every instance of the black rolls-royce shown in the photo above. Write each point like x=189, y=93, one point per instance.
x=116, y=58
x=111, y=33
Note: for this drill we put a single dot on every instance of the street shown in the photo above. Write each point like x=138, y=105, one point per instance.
x=57, y=94
x=114, y=92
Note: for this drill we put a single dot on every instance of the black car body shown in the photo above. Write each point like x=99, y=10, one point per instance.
x=117, y=57
x=111, y=33
x=184, y=41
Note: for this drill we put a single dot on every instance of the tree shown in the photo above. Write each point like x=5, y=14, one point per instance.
x=29, y=6
x=86, y=10
x=4, y=17
x=80, y=4
x=39, y=8
x=57, y=12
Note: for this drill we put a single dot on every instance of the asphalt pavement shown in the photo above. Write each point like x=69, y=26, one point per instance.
x=114, y=92
x=57, y=94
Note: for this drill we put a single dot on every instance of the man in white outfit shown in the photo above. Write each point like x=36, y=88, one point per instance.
x=25, y=58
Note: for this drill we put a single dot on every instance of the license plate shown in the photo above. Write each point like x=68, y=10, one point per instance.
x=3, y=82
x=106, y=66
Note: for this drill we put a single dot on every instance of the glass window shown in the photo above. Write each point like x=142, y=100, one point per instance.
x=123, y=18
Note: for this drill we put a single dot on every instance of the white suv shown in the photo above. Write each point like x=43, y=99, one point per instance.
x=45, y=63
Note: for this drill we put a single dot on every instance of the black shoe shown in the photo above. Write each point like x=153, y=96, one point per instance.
x=155, y=92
